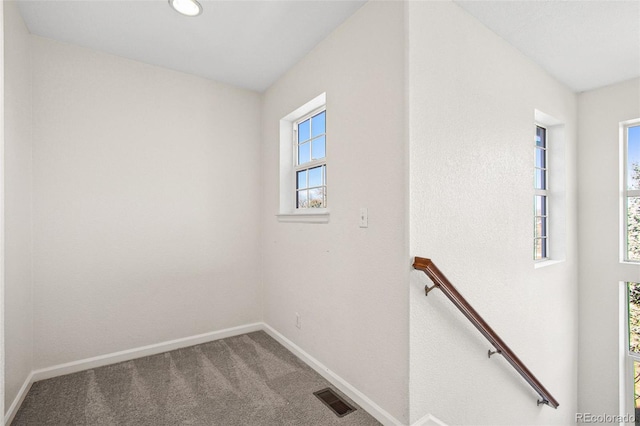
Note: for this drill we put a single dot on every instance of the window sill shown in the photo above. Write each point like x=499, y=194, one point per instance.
x=321, y=216
x=630, y=262
x=545, y=263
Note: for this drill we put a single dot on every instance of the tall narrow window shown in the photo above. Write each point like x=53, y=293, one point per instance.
x=633, y=345
x=310, y=141
x=541, y=200
x=303, y=163
x=631, y=135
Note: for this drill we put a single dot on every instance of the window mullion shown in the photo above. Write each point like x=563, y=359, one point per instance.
x=311, y=165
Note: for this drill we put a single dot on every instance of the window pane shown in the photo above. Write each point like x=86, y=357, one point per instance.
x=304, y=131
x=633, y=157
x=318, y=124
x=316, y=198
x=303, y=153
x=318, y=148
x=541, y=137
x=633, y=298
x=303, y=199
x=633, y=310
x=315, y=176
x=537, y=249
x=633, y=228
x=302, y=179
x=540, y=179
x=540, y=205
x=541, y=227
x=540, y=158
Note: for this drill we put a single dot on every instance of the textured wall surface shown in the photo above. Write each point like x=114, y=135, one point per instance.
x=349, y=284
x=472, y=103
x=601, y=112
x=155, y=196
x=145, y=193
x=17, y=204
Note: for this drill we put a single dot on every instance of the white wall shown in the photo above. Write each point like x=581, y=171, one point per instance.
x=18, y=193
x=145, y=217
x=146, y=184
x=347, y=283
x=2, y=250
x=472, y=102
x=601, y=112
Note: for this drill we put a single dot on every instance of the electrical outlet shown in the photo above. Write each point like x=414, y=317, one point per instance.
x=298, y=322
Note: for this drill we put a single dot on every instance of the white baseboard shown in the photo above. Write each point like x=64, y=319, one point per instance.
x=429, y=420
x=99, y=361
x=358, y=397
x=22, y=393
x=127, y=355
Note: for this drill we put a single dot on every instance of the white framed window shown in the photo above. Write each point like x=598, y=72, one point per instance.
x=630, y=138
x=549, y=191
x=541, y=197
x=310, y=143
x=303, y=163
x=630, y=353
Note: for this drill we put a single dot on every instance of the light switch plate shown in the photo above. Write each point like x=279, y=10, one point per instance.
x=364, y=217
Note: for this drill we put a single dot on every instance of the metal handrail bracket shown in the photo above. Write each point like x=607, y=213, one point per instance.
x=501, y=348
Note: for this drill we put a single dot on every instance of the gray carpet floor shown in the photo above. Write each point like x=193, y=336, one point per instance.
x=243, y=380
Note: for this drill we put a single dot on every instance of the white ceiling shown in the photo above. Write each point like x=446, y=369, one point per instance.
x=245, y=43
x=583, y=43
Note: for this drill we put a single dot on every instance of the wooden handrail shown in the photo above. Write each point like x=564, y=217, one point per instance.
x=441, y=282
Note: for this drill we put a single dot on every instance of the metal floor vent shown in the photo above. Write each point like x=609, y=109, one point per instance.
x=338, y=405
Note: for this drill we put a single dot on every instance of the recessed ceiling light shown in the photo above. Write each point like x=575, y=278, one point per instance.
x=186, y=7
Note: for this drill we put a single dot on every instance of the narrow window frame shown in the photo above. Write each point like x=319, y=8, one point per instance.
x=627, y=193
x=541, y=192
x=628, y=358
x=312, y=164
x=287, y=211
